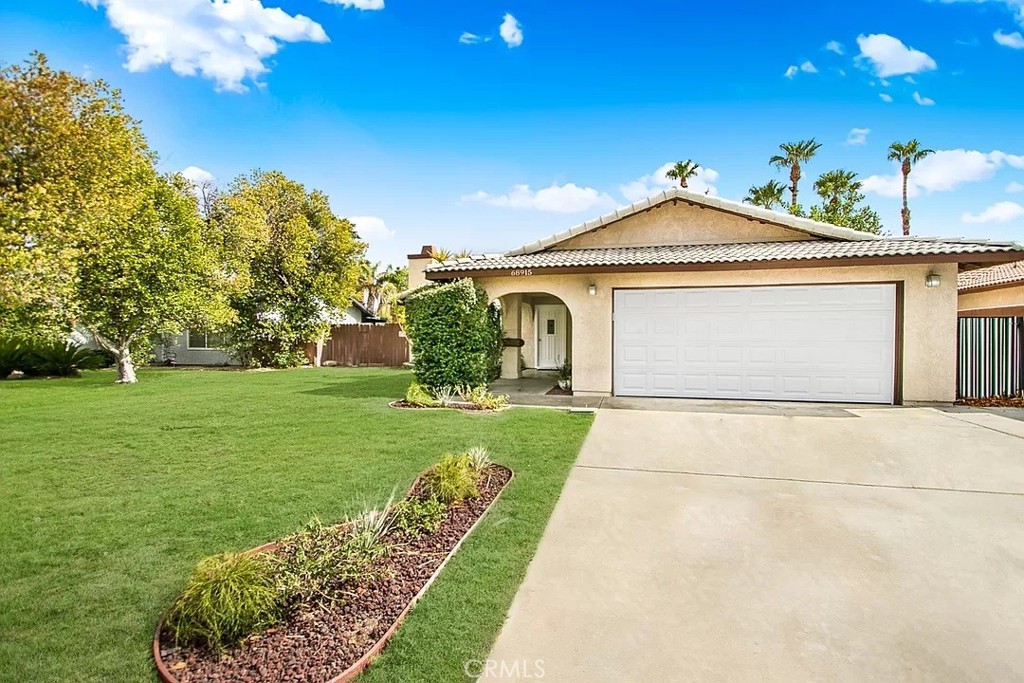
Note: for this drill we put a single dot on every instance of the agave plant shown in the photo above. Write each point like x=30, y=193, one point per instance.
x=479, y=458
x=374, y=524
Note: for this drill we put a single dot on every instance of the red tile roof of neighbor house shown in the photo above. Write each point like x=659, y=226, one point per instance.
x=750, y=252
x=994, y=276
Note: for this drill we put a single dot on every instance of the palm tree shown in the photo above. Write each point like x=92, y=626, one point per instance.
x=907, y=154
x=794, y=154
x=768, y=195
x=682, y=171
x=832, y=186
x=440, y=254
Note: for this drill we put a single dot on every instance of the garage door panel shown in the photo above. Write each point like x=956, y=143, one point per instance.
x=827, y=342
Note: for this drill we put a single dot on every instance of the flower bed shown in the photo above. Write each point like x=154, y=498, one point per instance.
x=334, y=639
x=457, y=405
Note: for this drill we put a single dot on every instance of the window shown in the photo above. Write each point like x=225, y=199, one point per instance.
x=551, y=326
x=202, y=339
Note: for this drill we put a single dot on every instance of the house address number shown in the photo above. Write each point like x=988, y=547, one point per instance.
x=521, y=272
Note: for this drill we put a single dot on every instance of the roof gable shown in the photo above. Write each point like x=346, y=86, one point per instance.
x=804, y=227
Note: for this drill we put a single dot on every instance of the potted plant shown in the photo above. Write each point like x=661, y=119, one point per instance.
x=565, y=375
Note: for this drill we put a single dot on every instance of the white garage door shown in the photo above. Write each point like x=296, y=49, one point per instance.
x=815, y=343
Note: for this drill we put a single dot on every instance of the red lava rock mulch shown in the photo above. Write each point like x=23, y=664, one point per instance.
x=997, y=402
x=319, y=642
x=468, y=407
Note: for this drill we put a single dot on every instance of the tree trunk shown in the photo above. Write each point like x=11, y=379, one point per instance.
x=682, y=182
x=319, y=352
x=794, y=181
x=905, y=213
x=125, y=366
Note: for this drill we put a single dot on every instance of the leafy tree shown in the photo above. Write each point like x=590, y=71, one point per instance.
x=794, y=155
x=907, y=154
x=151, y=272
x=90, y=234
x=294, y=261
x=841, y=198
x=380, y=288
x=767, y=196
x=70, y=161
x=683, y=171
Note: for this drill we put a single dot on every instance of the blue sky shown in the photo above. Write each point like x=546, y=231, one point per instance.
x=551, y=113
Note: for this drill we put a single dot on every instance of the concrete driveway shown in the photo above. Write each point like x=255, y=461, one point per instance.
x=746, y=544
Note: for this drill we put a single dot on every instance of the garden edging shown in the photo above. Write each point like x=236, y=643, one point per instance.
x=366, y=659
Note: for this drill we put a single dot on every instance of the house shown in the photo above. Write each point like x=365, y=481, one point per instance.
x=202, y=347
x=993, y=291
x=685, y=295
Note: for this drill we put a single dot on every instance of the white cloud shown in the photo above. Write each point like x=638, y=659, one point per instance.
x=511, y=31
x=1012, y=40
x=857, y=136
x=791, y=71
x=358, y=4
x=468, y=38
x=835, y=46
x=885, y=97
x=1000, y=212
x=808, y=68
x=568, y=198
x=197, y=175
x=1015, y=187
x=910, y=79
x=372, y=228
x=890, y=57
x=226, y=41
x=943, y=171
x=923, y=101
x=884, y=83
x=653, y=183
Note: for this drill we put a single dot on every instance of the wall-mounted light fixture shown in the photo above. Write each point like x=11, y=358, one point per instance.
x=592, y=289
x=933, y=280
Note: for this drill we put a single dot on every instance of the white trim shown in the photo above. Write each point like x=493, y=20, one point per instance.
x=806, y=225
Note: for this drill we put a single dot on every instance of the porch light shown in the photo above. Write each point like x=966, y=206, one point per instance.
x=592, y=289
x=933, y=280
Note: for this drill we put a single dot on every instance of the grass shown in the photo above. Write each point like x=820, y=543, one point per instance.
x=111, y=494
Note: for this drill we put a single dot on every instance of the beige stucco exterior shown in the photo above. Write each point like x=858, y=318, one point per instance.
x=929, y=315
x=1004, y=297
x=681, y=223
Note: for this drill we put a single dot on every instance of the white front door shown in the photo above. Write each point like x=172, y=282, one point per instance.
x=550, y=325
x=805, y=343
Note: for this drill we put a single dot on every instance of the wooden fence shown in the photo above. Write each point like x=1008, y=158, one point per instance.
x=990, y=358
x=384, y=345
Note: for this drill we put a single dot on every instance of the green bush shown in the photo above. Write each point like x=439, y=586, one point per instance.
x=228, y=597
x=417, y=395
x=456, y=335
x=60, y=359
x=13, y=355
x=483, y=399
x=452, y=480
x=418, y=516
x=479, y=458
x=315, y=562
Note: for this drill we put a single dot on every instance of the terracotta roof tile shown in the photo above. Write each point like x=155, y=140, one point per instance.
x=1003, y=274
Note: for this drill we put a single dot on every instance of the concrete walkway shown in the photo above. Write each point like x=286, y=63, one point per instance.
x=863, y=545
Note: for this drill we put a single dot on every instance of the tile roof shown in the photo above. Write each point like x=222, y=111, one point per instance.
x=750, y=211
x=993, y=276
x=726, y=253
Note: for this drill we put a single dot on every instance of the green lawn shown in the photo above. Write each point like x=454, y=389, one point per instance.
x=109, y=494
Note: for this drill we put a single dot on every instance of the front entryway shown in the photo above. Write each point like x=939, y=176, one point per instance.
x=551, y=335
x=782, y=343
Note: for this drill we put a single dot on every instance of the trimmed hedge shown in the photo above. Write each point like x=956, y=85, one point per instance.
x=456, y=335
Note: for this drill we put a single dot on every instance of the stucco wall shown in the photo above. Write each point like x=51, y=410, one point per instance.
x=929, y=337
x=993, y=298
x=177, y=348
x=681, y=224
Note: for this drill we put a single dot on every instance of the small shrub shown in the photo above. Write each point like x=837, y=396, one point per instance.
x=445, y=396
x=227, y=598
x=565, y=371
x=483, y=399
x=417, y=395
x=13, y=355
x=60, y=359
x=479, y=458
x=452, y=480
x=317, y=561
x=418, y=516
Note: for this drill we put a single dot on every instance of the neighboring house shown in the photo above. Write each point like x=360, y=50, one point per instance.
x=685, y=295
x=993, y=291
x=200, y=347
